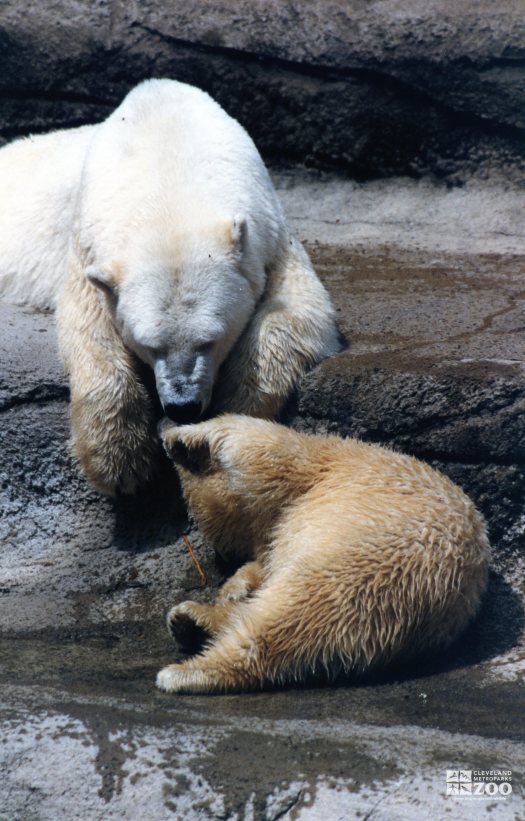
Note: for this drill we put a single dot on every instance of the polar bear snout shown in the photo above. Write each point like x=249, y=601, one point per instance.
x=183, y=403
x=183, y=413
x=184, y=386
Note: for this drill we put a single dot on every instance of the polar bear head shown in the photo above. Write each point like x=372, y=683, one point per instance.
x=180, y=300
x=239, y=474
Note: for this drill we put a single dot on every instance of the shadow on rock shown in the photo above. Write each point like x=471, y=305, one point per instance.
x=155, y=517
x=497, y=629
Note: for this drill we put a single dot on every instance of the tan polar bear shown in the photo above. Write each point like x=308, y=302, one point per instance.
x=356, y=555
x=160, y=239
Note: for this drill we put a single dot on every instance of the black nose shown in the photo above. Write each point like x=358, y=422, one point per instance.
x=183, y=412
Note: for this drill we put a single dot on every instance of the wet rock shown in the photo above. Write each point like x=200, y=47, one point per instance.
x=370, y=87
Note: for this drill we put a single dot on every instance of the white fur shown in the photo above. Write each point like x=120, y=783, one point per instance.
x=39, y=178
x=187, y=163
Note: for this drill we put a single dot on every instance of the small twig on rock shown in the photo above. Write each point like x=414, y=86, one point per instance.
x=196, y=562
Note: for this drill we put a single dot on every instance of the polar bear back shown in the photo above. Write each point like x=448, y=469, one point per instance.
x=171, y=154
x=39, y=178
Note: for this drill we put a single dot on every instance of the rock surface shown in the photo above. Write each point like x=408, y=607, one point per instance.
x=434, y=366
x=372, y=87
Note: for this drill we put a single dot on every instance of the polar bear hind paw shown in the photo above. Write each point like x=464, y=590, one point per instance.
x=184, y=625
x=176, y=679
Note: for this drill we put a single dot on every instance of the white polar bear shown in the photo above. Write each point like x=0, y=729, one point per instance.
x=160, y=239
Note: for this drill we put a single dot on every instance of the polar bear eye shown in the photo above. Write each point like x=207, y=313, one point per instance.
x=205, y=347
x=101, y=281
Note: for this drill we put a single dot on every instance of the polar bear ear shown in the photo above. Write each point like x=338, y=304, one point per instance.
x=238, y=231
x=194, y=458
x=100, y=279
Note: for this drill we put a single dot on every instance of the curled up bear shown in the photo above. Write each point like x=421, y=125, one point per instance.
x=160, y=240
x=354, y=556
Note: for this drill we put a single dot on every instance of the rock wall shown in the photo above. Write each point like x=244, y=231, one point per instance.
x=374, y=88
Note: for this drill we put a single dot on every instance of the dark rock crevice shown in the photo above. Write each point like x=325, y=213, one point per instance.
x=41, y=394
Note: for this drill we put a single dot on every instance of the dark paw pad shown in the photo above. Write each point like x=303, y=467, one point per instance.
x=189, y=635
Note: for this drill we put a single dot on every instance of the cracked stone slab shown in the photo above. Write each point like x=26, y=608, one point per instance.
x=482, y=217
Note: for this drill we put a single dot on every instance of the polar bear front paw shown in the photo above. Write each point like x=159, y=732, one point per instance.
x=243, y=584
x=236, y=589
x=113, y=469
x=115, y=443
